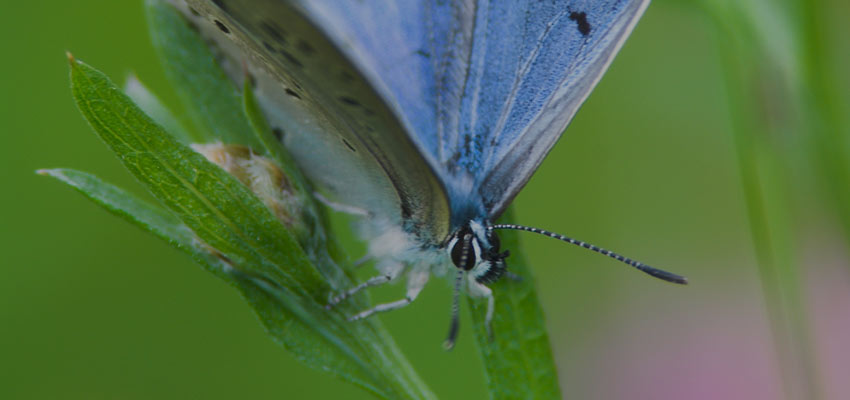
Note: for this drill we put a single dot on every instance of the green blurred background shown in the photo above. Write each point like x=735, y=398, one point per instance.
x=91, y=307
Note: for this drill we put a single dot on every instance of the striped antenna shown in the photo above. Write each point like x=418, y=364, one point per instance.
x=655, y=272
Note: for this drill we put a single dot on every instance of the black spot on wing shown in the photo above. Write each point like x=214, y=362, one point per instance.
x=278, y=134
x=222, y=27
x=349, y=101
x=350, y=147
x=293, y=93
x=274, y=31
x=292, y=59
x=581, y=20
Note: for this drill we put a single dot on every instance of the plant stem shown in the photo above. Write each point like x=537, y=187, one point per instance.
x=765, y=182
x=823, y=110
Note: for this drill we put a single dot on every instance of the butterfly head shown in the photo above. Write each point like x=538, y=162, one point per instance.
x=474, y=248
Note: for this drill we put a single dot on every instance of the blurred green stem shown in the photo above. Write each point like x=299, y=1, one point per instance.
x=824, y=113
x=764, y=169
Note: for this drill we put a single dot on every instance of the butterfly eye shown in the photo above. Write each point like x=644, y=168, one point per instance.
x=463, y=255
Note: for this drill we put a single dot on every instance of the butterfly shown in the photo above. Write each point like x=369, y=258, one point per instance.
x=425, y=117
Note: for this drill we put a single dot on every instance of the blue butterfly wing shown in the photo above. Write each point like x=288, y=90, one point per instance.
x=485, y=88
x=476, y=93
x=416, y=55
x=565, y=48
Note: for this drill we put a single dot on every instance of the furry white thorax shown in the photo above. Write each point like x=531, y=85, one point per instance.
x=395, y=250
x=398, y=254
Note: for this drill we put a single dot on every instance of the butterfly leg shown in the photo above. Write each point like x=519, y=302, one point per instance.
x=416, y=281
x=477, y=289
x=362, y=260
x=371, y=282
x=454, y=325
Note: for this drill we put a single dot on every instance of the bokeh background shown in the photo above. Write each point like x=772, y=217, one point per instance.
x=91, y=307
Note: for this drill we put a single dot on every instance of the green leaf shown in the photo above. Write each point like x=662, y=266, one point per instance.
x=518, y=360
x=260, y=256
x=153, y=107
x=219, y=209
x=211, y=101
x=264, y=134
x=264, y=296
x=147, y=216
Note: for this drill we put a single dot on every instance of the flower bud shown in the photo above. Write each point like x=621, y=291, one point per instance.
x=263, y=177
